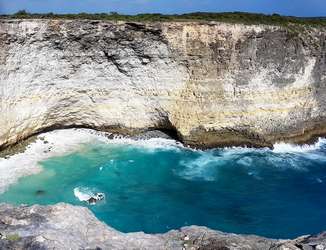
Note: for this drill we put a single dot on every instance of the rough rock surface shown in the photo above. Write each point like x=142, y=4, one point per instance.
x=211, y=83
x=63, y=226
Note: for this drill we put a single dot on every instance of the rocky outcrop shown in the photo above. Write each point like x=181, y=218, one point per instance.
x=64, y=226
x=209, y=83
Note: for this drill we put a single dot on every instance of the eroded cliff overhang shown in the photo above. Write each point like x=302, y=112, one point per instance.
x=210, y=83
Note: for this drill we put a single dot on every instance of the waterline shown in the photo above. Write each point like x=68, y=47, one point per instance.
x=156, y=185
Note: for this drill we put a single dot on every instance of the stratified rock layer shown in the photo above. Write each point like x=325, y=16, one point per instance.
x=68, y=227
x=211, y=83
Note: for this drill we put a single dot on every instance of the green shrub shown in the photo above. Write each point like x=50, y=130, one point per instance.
x=13, y=237
x=230, y=17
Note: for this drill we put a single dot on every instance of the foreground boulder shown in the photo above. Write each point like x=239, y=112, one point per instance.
x=64, y=226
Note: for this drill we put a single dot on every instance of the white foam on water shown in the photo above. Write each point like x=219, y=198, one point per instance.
x=62, y=142
x=284, y=162
x=203, y=168
x=255, y=174
x=245, y=161
x=284, y=156
x=291, y=148
x=151, y=145
x=280, y=147
x=83, y=194
x=51, y=144
x=319, y=180
x=310, y=152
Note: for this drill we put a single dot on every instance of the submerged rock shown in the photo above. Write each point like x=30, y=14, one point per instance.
x=87, y=195
x=64, y=226
x=94, y=199
x=91, y=201
x=40, y=192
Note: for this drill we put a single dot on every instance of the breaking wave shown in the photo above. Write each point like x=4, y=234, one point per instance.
x=204, y=167
x=291, y=148
x=83, y=194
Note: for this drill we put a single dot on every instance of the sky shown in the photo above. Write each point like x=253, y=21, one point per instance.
x=284, y=7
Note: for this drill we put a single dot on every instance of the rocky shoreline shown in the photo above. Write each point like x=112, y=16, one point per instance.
x=64, y=226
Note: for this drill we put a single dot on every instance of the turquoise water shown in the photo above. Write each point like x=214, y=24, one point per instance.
x=273, y=194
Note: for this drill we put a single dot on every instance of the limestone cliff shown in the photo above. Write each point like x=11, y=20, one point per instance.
x=212, y=83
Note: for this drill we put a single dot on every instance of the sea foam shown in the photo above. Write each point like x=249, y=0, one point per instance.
x=82, y=194
x=51, y=144
x=291, y=148
x=62, y=142
x=203, y=168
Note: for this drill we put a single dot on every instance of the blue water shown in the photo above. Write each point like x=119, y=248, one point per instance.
x=154, y=190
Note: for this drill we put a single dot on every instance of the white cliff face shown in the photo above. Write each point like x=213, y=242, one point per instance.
x=215, y=84
x=44, y=85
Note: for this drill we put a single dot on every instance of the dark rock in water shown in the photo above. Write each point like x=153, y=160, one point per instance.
x=123, y=197
x=97, y=197
x=152, y=134
x=117, y=173
x=92, y=201
x=40, y=192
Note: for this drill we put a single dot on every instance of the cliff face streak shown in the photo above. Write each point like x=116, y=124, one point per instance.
x=213, y=83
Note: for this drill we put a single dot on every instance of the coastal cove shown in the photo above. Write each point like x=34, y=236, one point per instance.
x=147, y=182
x=154, y=132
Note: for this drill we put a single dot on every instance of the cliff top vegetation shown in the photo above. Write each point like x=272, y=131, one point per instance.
x=230, y=17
